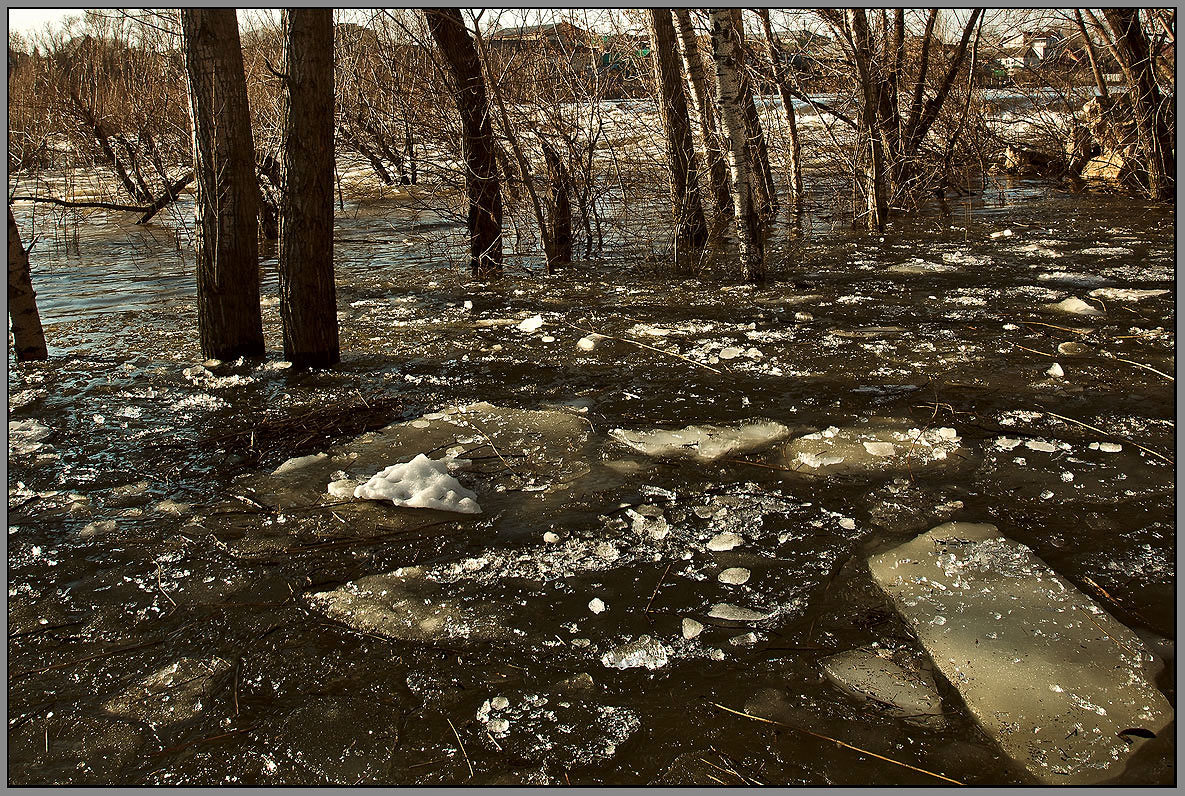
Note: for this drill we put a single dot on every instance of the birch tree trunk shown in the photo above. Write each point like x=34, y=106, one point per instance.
x=704, y=109
x=477, y=140
x=758, y=151
x=691, y=229
x=780, y=77
x=877, y=206
x=726, y=51
x=1135, y=59
x=229, y=323
x=27, y=335
x=308, y=300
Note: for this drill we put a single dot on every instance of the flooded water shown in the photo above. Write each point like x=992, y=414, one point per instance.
x=168, y=613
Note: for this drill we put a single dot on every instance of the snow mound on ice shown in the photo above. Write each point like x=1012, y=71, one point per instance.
x=422, y=483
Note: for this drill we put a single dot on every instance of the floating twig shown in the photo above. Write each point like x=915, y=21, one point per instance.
x=648, y=347
x=1109, y=434
x=658, y=586
x=837, y=742
x=464, y=754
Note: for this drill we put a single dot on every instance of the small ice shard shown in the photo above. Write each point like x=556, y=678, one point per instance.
x=732, y=352
x=1110, y=447
x=551, y=537
x=1071, y=348
x=531, y=324
x=735, y=613
x=724, y=541
x=420, y=483
x=691, y=628
x=743, y=640
x=1040, y=445
x=1004, y=233
x=643, y=652
x=96, y=528
x=169, y=506
x=847, y=523
x=1056, y=371
x=590, y=342
x=498, y=726
x=716, y=655
x=499, y=703
x=299, y=463
x=880, y=448
x=734, y=576
x=1075, y=306
x=343, y=488
x=597, y=605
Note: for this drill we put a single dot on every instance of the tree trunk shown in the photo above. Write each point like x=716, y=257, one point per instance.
x=559, y=210
x=691, y=230
x=229, y=322
x=1155, y=138
x=877, y=206
x=1092, y=55
x=704, y=108
x=308, y=300
x=726, y=49
x=27, y=335
x=477, y=140
x=780, y=77
x=758, y=151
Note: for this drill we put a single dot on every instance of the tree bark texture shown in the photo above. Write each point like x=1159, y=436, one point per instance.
x=877, y=206
x=559, y=209
x=27, y=335
x=229, y=322
x=477, y=139
x=726, y=48
x=1135, y=59
x=767, y=191
x=308, y=300
x=683, y=166
x=704, y=105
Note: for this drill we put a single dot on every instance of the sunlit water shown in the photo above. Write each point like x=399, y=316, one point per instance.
x=942, y=322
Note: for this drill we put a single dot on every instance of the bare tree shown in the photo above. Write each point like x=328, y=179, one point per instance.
x=794, y=162
x=27, y=335
x=477, y=139
x=229, y=322
x=1132, y=51
x=683, y=166
x=726, y=48
x=308, y=302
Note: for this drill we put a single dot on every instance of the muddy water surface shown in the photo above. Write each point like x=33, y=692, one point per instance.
x=162, y=624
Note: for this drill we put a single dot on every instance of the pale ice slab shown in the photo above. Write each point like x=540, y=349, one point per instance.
x=299, y=462
x=1125, y=293
x=24, y=436
x=642, y=652
x=422, y=483
x=175, y=693
x=877, y=446
x=869, y=673
x=1047, y=673
x=706, y=443
x=1075, y=306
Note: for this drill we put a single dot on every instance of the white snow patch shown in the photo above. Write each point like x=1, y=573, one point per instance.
x=422, y=483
